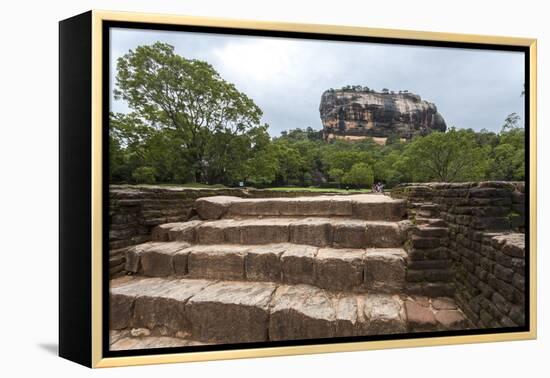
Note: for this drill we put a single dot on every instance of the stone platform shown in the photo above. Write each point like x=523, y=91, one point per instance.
x=248, y=270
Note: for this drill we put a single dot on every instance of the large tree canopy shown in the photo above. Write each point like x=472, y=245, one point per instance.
x=450, y=156
x=188, y=97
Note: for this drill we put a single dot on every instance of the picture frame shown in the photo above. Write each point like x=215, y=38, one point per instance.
x=87, y=268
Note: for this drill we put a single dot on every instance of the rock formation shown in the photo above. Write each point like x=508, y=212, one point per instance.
x=354, y=113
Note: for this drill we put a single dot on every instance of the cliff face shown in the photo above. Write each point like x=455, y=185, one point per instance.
x=356, y=114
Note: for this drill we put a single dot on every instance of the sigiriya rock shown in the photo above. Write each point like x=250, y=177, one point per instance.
x=355, y=113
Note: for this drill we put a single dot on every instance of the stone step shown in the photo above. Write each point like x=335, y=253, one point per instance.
x=141, y=338
x=428, y=230
x=321, y=232
x=374, y=269
x=432, y=289
x=432, y=222
x=360, y=206
x=234, y=312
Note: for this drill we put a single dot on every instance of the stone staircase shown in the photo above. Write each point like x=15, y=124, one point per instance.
x=250, y=270
x=429, y=260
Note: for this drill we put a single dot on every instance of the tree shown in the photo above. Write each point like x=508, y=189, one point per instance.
x=511, y=122
x=263, y=167
x=508, y=163
x=336, y=174
x=169, y=92
x=392, y=169
x=291, y=163
x=508, y=157
x=451, y=156
x=145, y=175
x=359, y=175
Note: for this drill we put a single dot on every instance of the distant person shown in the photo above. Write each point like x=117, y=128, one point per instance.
x=377, y=187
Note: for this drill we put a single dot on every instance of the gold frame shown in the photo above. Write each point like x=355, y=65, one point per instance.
x=99, y=16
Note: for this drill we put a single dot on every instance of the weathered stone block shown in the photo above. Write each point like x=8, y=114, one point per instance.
x=430, y=264
x=161, y=303
x=420, y=318
x=425, y=242
x=265, y=231
x=507, y=322
x=301, y=312
x=415, y=275
x=161, y=232
x=517, y=314
x=311, y=231
x=485, y=289
x=157, y=261
x=263, y=263
x=506, y=290
x=157, y=264
x=431, y=232
x=443, y=303
x=323, y=206
x=255, y=207
x=339, y=269
x=297, y=264
x=501, y=303
x=231, y=312
x=180, y=262
x=384, y=314
x=346, y=308
x=217, y=262
x=439, y=289
x=503, y=273
x=213, y=232
x=349, y=234
x=439, y=275
x=133, y=256
x=388, y=211
x=489, y=192
x=121, y=309
x=385, y=234
x=385, y=269
x=212, y=208
x=184, y=232
x=491, y=223
x=518, y=281
x=486, y=318
x=451, y=319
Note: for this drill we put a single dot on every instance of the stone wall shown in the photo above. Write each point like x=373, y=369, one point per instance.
x=479, y=246
x=135, y=210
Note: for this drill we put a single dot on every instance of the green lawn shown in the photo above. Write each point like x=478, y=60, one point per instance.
x=316, y=189
x=189, y=185
x=277, y=189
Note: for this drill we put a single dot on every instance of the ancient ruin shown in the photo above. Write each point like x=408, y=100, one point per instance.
x=355, y=113
x=240, y=269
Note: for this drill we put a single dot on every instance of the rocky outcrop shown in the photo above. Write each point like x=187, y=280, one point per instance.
x=355, y=114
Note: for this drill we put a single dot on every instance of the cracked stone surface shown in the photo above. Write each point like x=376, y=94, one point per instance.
x=231, y=312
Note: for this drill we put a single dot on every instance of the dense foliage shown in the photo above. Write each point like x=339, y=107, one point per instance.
x=187, y=125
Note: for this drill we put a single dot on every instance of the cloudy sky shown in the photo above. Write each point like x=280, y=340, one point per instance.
x=286, y=77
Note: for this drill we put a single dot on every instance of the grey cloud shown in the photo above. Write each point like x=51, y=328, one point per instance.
x=472, y=88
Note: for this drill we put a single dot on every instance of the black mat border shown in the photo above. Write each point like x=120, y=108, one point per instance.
x=107, y=25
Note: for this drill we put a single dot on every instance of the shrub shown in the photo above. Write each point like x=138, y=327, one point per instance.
x=360, y=174
x=144, y=175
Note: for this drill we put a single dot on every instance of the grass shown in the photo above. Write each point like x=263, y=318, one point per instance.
x=306, y=189
x=317, y=189
x=189, y=185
